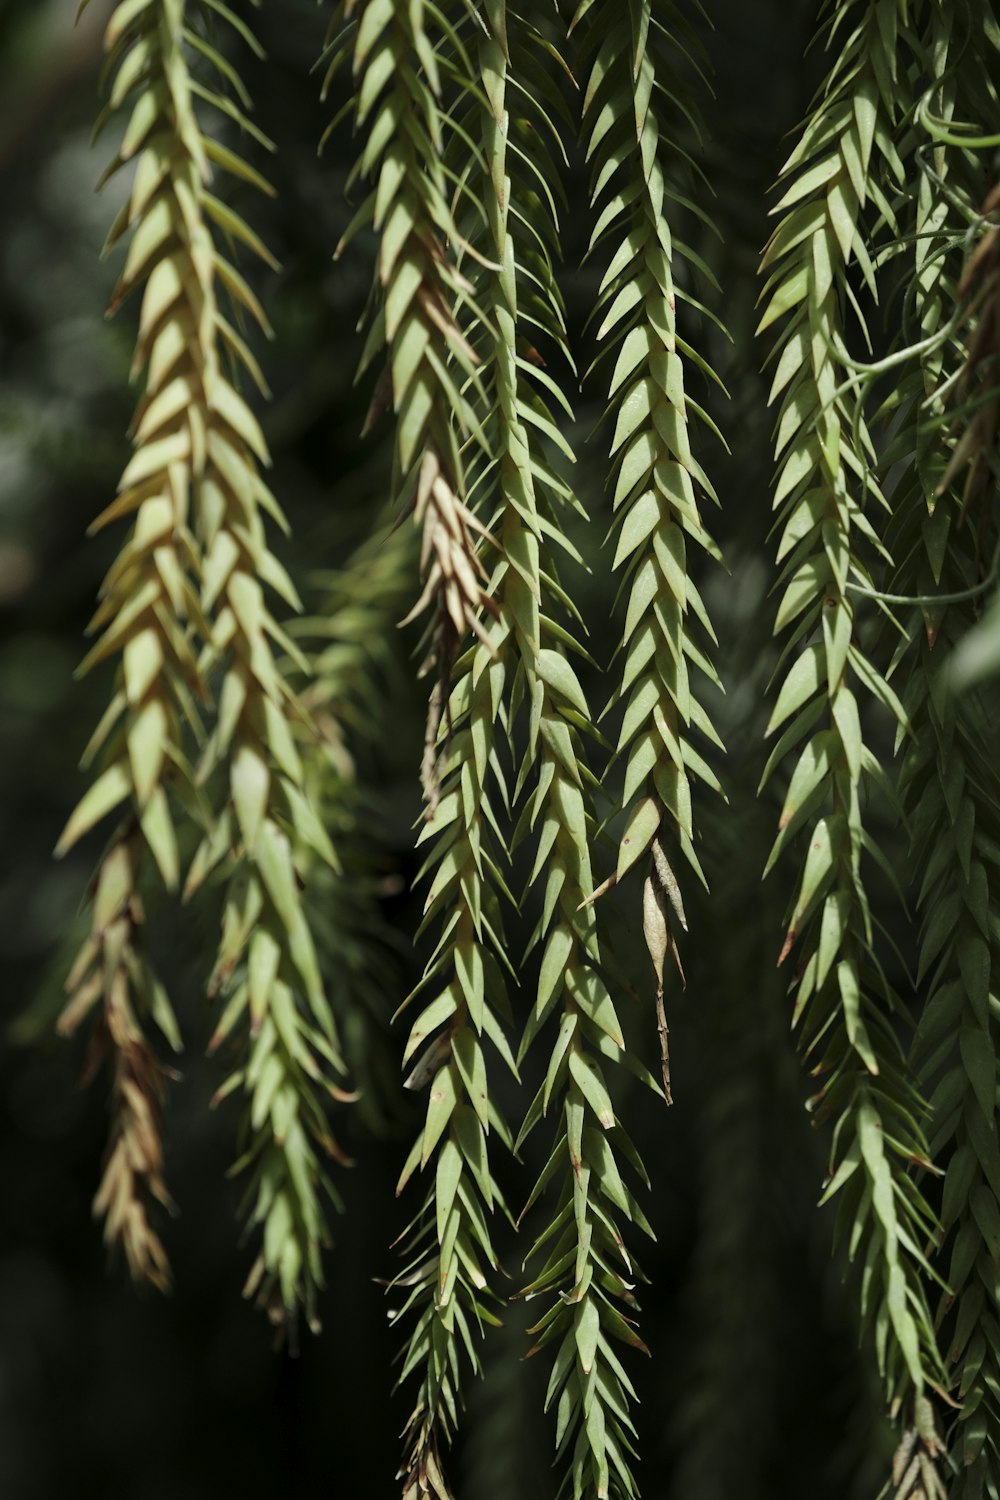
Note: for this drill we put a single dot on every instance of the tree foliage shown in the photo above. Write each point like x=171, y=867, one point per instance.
x=234, y=761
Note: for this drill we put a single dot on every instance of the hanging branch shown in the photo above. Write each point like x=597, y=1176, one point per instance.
x=412, y=73
x=148, y=606
x=639, y=175
x=584, y=1271
x=947, y=777
x=845, y=1011
x=946, y=790
x=398, y=100
x=199, y=456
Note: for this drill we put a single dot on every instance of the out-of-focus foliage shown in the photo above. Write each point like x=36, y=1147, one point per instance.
x=557, y=197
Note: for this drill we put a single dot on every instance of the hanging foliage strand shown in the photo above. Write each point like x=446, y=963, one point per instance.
x=412, y=73
x=149, y=605
x=944, y=535
x=886, y=532
x=263, y=830
x=845, y=1011
x=185, y=606
x=635, y=87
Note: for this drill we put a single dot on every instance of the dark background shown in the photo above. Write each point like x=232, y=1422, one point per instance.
x=756, y=1387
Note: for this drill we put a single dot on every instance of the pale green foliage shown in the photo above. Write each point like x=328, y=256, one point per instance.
x=519, y=663
x=411, y=73
x=945, y=783
x=266, y=965
x=582, y=1252
x=634, y=82
x=825, y=498
x=186, y=608
x=148, y=597
x=401, y=58
x=580, y=1257
x=464, y=112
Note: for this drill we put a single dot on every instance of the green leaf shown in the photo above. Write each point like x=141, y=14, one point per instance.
x=250, y=782
x=552, y=975
x=440, y=1107
x=586, y=1327
x=802, y=683
x=642, y=828
x=557, y=674
x=110, y=789
x=816, y=872
x=449, y=1170
x=587, y=1077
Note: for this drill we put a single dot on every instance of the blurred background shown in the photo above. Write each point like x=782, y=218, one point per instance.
x=757, y=1386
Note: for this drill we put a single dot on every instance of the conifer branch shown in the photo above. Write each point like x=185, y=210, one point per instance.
x=461, y=113
x=199, y=449
x=845, y=1011
x=449, y=1245
x=583, y=1243
x=412, y=73
x=149, y=603
x=945, y=789
x=402, y=59
x=946, y=778
x=638, y=174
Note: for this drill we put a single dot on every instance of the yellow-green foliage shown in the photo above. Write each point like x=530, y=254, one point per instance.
x=828, y=506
